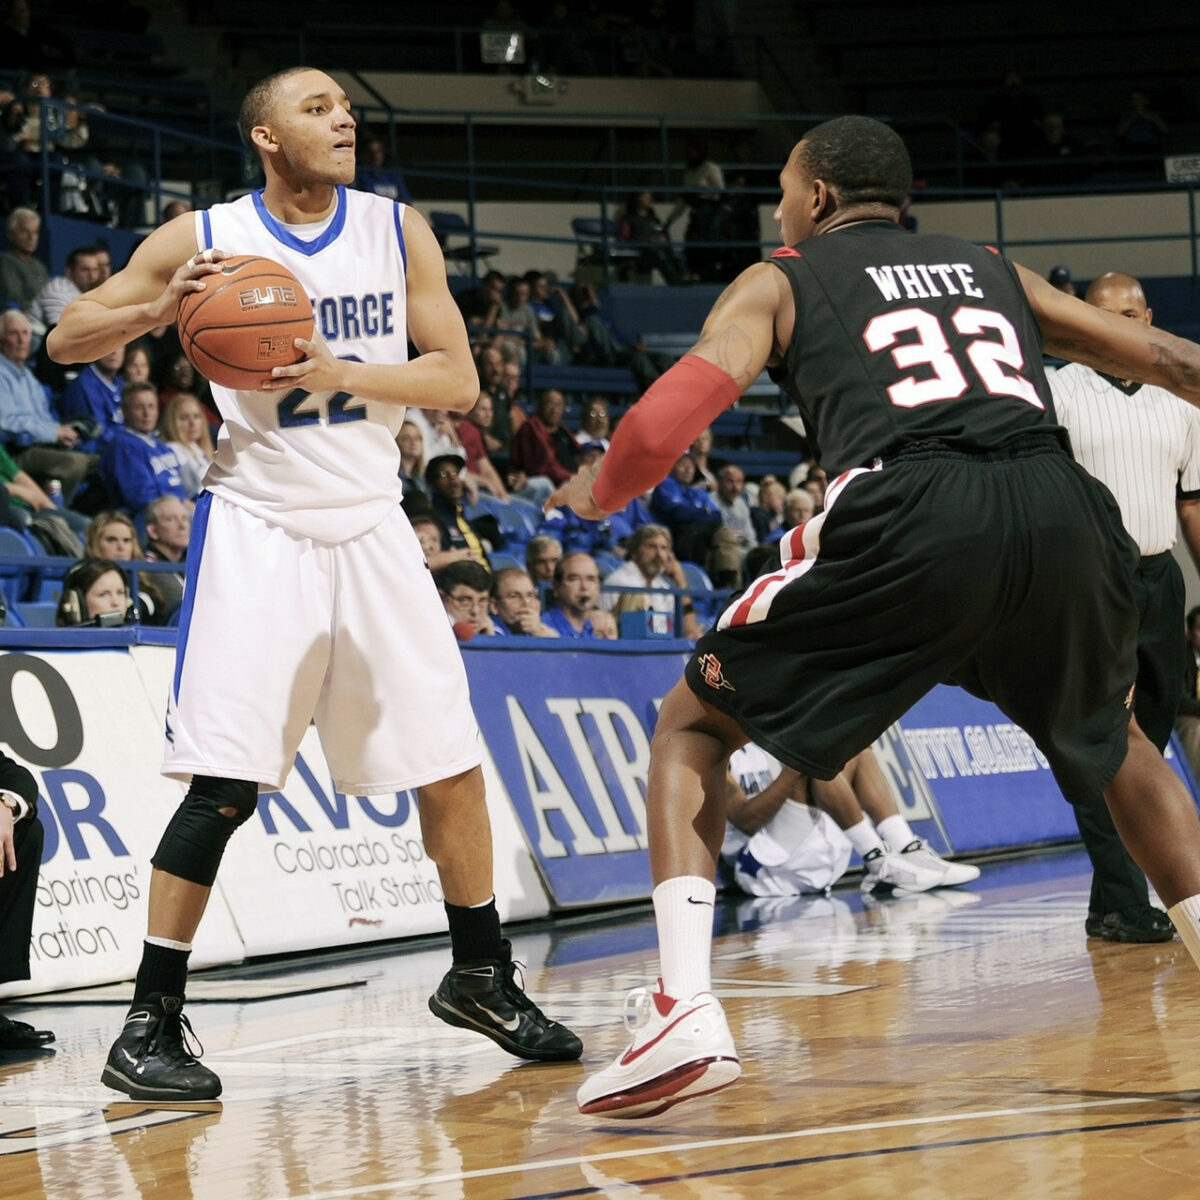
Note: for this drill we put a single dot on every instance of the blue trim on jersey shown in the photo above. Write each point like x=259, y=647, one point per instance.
x=206, y=221
x=290, y=240
x=190, y=581
x=400, y=236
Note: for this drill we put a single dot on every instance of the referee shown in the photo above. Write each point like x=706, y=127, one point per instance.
x=1143, y=443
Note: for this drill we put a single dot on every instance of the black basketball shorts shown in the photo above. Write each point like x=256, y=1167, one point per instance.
x=1008, y=573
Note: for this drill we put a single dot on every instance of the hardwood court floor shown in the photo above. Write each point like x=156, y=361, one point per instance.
x=949, y=1045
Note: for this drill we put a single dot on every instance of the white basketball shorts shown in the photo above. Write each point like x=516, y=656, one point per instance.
x=277, y=630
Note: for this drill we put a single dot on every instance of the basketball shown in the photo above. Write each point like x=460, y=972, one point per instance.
x=244, y=321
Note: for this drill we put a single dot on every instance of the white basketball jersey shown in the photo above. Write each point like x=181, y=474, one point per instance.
x=323, y=465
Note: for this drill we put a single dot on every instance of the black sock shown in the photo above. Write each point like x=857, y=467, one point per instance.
x=163, y=970
x=474, y=932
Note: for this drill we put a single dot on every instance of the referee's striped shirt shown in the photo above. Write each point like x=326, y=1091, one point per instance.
x=1142, y=442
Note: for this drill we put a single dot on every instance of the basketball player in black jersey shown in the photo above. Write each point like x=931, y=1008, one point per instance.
x=959, y=542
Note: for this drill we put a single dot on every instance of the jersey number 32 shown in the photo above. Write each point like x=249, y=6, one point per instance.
x=993, y=352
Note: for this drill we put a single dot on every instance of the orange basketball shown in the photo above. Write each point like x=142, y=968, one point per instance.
x=244, y=321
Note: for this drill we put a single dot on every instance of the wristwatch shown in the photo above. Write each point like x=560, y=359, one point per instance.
x=15, y=804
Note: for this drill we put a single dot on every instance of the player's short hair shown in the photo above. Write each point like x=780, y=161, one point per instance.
x=256, y=105
x=863, y=160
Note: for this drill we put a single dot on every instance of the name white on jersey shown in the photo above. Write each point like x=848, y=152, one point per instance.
x=322, y=465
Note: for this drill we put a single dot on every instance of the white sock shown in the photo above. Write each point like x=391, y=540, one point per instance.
x=896, y=832
x=864, y=838
x=168, y=944
x=683, y=911
x=1186, y=916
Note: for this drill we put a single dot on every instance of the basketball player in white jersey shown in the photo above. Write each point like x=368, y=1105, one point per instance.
x=307, y=592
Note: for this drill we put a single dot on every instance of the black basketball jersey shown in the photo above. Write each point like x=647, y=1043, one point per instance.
x=904, y=337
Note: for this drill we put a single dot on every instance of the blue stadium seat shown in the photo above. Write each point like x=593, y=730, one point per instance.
x=697, y=578
x=37, y=614
x=14, y=577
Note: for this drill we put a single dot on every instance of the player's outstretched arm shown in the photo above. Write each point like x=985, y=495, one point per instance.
x=1111, y=343
x=442, y=376
x=738, y=340
x=141, y=297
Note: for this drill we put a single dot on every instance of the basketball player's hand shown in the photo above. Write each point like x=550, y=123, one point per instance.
x=576, y=494
x=188, y=278
x=318, y=371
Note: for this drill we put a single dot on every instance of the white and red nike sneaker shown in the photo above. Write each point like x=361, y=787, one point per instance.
x=681, y=1049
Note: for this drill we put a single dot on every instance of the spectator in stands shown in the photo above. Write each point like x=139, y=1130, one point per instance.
x=815, y=484
x=543, y=445
x=1140, y=129
x=112, y=535
x=706, y=466
x=185, y=430
x=651, y=564
x=512, y=379
x=1063, y=151
x=81, y=274
x=559, y=328
x=603, y=345
x=506, y=416
x=768, y=513
x=517, y=314
x=375, y=176
x=479, y=465
x=95, y=592
x=798, y=506
x=446, y=485
x=21, y=840
x=32, y=43
x=22, y=501
x=22, y=275
x=736, y=514
x=465, y=588
x=687, y=510
x=595, y=425
x=704, y=186
x=480, y=306
x=136, y=465
x=516, y=609
x=1016, y=113
x=542, y=554
x=576, y=593
x=45, y=447
x=168, y=523
x=92, y=401
x=1060, y=278
x=176, y=374
x=640, y=223
x=411, y=442
x=103, y=260
x=137, y=364
x=429, y=534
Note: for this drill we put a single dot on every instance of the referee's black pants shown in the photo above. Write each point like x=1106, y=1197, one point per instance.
x=18, y=896
x=1117, y=882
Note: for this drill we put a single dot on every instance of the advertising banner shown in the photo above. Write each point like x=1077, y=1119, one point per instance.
x=569, y=732
x=84, y=726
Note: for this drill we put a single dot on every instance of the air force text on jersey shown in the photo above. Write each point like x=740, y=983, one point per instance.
x=351, y=318
x=924, y=281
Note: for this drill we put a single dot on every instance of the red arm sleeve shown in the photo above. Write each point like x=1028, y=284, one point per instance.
x=676, y=409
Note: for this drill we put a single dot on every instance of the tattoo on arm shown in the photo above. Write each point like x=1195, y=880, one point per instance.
x=733, y=351
x=1179, y=363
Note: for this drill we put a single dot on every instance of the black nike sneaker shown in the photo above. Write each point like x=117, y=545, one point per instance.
x=486, y=997
x=151, y=1060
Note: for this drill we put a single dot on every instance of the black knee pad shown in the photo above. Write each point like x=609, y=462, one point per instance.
x=196, y=836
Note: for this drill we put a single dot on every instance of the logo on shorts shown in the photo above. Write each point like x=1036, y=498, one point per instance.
x=710, y=668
